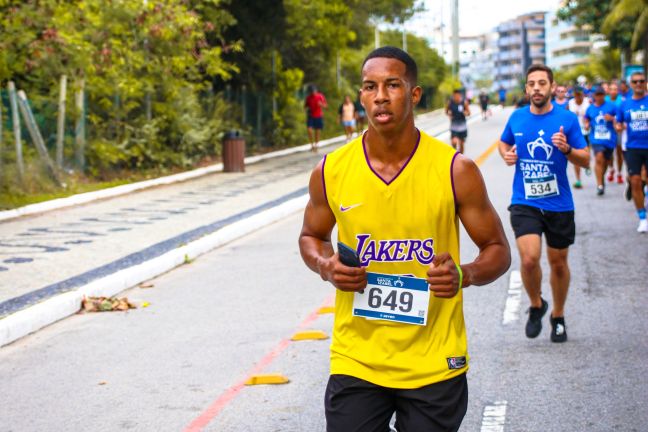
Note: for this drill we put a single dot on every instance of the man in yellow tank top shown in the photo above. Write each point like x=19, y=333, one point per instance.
x=397, y=195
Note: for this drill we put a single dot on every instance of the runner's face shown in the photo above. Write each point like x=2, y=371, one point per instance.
x=614, y=90
x=539, y=88
x=387, y=95
x=599, y=99
x=638, y=83
x=561, y=92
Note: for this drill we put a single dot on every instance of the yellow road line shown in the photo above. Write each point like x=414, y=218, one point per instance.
x=482, y=157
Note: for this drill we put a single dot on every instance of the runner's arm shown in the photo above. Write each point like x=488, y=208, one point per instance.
x=315, y=240
x=485, y=229
x=580, y=157
x=482, y=224
x=467, y=108
x=507, y=152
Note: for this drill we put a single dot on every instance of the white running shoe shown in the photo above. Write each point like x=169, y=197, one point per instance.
x=643, y=226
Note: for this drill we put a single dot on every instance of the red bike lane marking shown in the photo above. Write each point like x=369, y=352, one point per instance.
x=225, y=398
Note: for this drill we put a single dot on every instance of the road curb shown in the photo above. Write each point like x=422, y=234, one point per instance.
x=116, y=191
x=33, y=318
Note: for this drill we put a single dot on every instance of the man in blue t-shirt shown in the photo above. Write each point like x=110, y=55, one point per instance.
x=540, y=140
x=599, y=119
x=633, y=117
x=502, y=95
x=614, y=97
x=560, y=98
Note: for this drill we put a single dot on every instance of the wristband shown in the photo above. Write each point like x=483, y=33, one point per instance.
x=460, y=276
x=568, y=151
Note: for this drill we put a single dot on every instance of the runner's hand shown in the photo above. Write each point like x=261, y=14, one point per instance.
x=560, y=140
x=443, y=276
x=510, y=157
x=342, y=277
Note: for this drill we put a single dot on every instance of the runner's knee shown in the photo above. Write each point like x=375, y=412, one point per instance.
x=530, y=263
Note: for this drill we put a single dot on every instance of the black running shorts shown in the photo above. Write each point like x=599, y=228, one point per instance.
x=607, y=152
x=635, y=159
x=461, y=135
x=355, y=405
x=558, y=227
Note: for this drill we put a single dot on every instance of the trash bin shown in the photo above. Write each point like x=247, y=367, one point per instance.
x=233, y=152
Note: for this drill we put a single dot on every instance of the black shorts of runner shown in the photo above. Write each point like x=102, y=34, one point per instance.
x=635, y=159
x=315, y=122
x=356, y=405
x=607, y=152
x=484, y=106
x=558, y=227
x=461, y=135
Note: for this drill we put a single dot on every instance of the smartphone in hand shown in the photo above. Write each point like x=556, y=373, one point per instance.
x=348, y=256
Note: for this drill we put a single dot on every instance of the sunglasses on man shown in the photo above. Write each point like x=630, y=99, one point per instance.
x=640, y=81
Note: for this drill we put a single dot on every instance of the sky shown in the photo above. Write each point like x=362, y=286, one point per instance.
x=475, y=16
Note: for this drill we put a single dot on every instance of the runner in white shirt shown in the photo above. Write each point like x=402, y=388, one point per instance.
x=578, y=105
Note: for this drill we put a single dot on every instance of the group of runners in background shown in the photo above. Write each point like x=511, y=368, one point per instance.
x=613, y=119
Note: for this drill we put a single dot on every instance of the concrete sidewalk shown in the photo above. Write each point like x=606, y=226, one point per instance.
x=50, y=261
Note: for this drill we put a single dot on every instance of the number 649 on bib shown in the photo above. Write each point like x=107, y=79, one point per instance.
x=393, y=298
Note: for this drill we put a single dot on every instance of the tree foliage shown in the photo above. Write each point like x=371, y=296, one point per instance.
x=164, y=78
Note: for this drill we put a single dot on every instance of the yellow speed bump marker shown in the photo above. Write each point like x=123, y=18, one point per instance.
x=266, y=379
x=326, y=310
x=309, y=335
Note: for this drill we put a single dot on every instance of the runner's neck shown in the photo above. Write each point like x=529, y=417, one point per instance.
x=389, y=149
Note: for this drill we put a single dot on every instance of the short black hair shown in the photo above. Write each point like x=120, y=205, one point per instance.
x=540, y=67
x=637, y=73
x=411, y=70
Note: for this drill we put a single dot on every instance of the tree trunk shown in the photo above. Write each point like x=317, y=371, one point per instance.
x=79, y=130
x=60, y=125
x=15, y=120
x=36, y=136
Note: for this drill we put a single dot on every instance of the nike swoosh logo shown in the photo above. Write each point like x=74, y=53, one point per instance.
x=343, y=209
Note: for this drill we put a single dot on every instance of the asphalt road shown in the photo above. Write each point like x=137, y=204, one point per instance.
x=178, y=364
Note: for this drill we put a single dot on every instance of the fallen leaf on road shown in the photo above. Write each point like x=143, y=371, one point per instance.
x=106, y=304
x=102, y=383
x=146, y=304
x=146, y=285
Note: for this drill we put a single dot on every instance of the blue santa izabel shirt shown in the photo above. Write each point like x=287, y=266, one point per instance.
x=602, y=132
x=634, y=113
x=541, y=170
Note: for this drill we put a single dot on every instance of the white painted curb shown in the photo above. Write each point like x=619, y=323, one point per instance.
x=35, y=317
x=87, y=197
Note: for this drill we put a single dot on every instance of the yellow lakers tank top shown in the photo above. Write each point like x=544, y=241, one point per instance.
x=397, y=227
